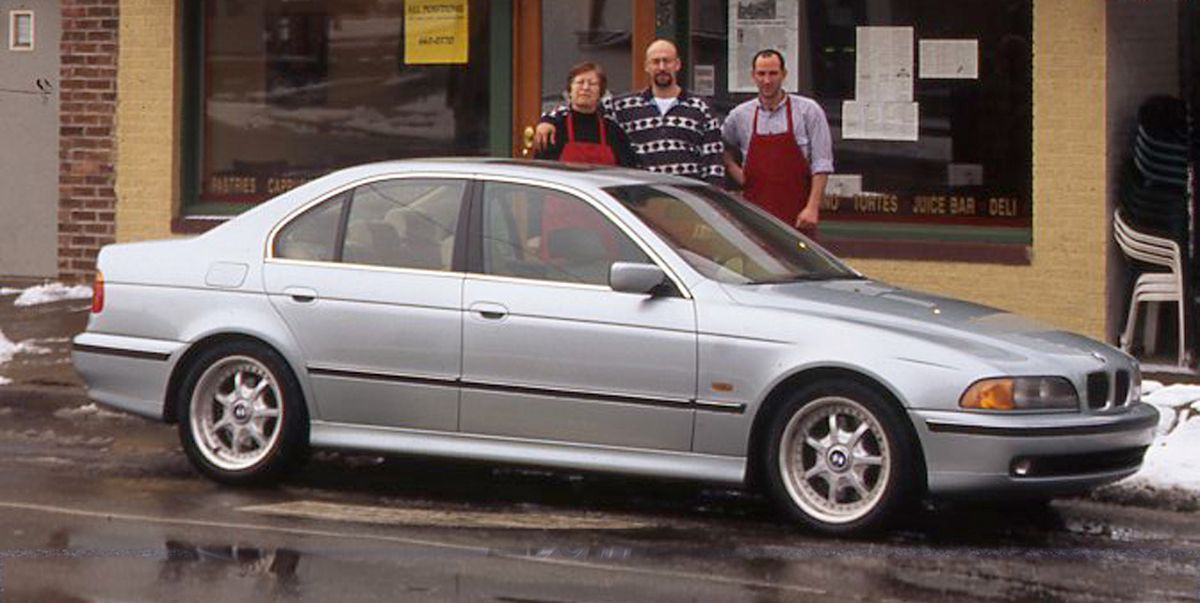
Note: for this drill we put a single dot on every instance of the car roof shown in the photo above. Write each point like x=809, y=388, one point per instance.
x=553, y=171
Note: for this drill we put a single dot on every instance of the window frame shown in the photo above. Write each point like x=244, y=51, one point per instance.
x=13, y=43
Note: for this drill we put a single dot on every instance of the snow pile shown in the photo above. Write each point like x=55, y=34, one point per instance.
x=87, y=411
x=1173, y=460
x=9, y=291
x=51, y=292
x=8, y=349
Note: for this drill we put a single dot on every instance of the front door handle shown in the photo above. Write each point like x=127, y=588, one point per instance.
x=302, y=295
x=489, y=310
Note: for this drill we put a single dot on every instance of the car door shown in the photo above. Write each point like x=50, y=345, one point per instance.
x=366, y=281
x=550, y=352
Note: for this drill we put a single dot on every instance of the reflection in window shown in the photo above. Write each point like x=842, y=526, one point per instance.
x=544, y=234
x=725, y=239
x=313, y=235
x=404, y=224
x=294, y=90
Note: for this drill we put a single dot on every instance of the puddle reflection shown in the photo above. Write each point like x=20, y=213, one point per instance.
x=186, y=562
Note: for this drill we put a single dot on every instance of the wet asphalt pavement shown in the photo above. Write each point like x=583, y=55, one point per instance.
x=102, y=507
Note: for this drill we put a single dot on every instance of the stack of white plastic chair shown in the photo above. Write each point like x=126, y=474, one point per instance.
x=1155, y=287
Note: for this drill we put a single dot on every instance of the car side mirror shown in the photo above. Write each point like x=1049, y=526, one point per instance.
x=631, y=277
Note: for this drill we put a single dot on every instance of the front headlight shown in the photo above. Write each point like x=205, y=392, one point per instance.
x=1021, y=393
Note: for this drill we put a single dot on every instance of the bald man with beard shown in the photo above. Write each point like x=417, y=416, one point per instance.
x=671, y=131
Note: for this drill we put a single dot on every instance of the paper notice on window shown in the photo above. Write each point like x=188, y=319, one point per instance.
x=843, y=185
x=949, y=59
x=435, y=32
x=880, y=120
x=883, y=64
x=756, y=25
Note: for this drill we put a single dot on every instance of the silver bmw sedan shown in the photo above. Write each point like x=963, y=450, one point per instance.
x=595, y=319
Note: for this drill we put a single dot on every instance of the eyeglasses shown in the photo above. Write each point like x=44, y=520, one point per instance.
x=585, y=84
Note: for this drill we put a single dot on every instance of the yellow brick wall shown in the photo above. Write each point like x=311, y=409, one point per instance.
x=147, y=120
x=1065, y=283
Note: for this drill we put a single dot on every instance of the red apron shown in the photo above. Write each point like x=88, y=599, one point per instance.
x=778, y=176
x=587, y=152
x=569, y=213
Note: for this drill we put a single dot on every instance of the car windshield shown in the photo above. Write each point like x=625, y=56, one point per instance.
x=725, y=239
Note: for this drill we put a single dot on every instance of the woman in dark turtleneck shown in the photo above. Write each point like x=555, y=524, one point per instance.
x=587, y=136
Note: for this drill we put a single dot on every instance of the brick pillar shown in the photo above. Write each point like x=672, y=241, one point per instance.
x=87, y=136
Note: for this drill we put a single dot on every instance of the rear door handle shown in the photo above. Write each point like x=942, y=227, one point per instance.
x=489, y=310
x=302, y=295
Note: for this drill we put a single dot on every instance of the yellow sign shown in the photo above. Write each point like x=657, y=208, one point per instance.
x=435, y=31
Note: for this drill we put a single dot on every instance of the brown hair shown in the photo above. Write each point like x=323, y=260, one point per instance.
x=585, y=67
x=769, y=52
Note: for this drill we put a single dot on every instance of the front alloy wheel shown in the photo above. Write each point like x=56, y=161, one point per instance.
x=840, y=459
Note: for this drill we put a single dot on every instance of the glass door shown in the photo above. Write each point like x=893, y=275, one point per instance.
x=550, y=37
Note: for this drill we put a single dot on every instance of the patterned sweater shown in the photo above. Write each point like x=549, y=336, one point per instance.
x=686, y=141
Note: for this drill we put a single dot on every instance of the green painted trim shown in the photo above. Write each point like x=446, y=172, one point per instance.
x=927, y=232
x=191, y=59
x=500, y=109
x=217, y=208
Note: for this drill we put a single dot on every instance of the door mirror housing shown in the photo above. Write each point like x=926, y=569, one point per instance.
x=632, y=277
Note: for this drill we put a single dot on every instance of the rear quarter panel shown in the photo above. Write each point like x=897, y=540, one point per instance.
x=181, y=291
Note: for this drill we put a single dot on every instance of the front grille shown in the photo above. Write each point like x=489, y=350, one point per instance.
x=1121, y=390
x=1097, y=390
x=1080, y=464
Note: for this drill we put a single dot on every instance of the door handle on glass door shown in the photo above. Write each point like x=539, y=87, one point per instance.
x=527, y=141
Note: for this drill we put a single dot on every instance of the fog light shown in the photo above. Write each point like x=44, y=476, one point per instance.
x=1022, y=467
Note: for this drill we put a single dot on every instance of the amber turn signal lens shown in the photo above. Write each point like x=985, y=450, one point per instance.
x=989, y=394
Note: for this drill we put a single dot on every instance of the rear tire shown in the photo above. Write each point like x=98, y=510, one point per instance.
x=242, y=418
x=840, y=459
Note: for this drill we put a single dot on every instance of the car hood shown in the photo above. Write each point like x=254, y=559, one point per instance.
x=985, y=332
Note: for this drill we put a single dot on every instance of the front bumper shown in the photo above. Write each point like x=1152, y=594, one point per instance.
x=969, y=454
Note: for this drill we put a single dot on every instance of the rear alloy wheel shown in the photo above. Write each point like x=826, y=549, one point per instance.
x=242, y=418
x=839, y=458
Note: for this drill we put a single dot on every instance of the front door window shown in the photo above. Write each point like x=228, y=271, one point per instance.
x=544, y=234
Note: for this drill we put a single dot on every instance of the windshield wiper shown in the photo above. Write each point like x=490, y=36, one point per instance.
x=799, y=278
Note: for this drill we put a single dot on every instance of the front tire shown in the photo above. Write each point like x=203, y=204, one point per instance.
x=242, y=416
x=839, y=458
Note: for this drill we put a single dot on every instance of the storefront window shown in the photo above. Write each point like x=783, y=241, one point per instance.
x=929, y=101
x=574, y=31
x=293, y=89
